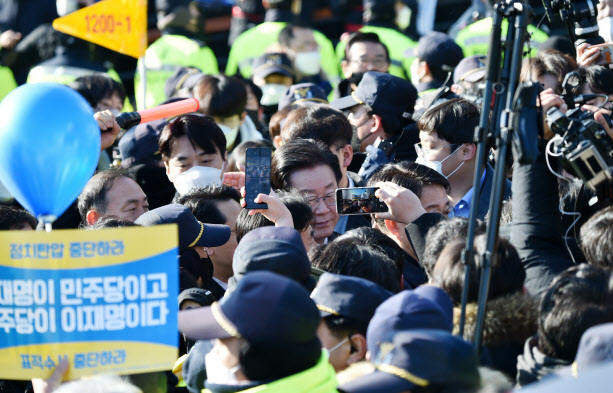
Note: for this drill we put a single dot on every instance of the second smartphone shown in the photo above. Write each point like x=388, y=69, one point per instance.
x=358, y=200
x=257, y=176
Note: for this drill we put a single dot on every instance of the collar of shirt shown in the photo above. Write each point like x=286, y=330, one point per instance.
x=222, y=284
x=341, y=224
x=462, y=208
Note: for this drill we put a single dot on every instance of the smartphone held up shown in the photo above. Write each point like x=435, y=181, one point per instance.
x=358, y=200
x=257, y=176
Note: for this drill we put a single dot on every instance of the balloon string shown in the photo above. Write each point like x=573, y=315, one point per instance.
x=47, y=227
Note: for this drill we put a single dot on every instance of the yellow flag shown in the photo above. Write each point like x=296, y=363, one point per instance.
x=120, y=25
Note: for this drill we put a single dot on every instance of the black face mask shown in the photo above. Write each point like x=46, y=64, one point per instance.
x=355, y=141
x=190, y=260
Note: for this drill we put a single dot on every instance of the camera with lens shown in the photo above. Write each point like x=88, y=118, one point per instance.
x=579, y=17
x=585, y=148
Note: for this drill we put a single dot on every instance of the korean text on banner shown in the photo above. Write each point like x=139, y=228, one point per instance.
x=120, y=25
x=104, y=299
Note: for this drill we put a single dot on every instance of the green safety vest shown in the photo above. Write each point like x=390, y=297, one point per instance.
x=474, y=39
x=7, y=81
x=166, y=55
x=320, y=378
x=66, y=75
x=255, y=41
x=400, y=48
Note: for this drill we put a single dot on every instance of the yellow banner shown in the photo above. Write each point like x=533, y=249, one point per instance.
x=75, y=249
x=120, y=25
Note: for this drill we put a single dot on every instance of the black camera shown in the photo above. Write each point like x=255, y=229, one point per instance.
x=585, y=148
x=579, y=17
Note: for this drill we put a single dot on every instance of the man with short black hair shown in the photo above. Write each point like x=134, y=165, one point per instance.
x=363, y=52
x=224, y=99
x=597, y=239
x=193, y=143
x=328, y=125
x=12, y=219
x=431, y=188
x=311, y=169
x=578, y=299
x=446, y=145
x=113, y=193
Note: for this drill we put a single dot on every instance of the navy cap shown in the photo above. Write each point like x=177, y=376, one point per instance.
x=276, y=249
x=272, y=63
x=140, y=144
x=595, y=347
x=439, y=50
x=470, y=69
x=412, y=358
x=388, y=95
x=265, y=307
x=347, y=296
x=183, y=78
x=191, y=231
x=427, y=307
x=302, y=92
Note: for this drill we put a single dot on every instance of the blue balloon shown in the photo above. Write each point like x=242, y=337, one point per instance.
x=49, y=146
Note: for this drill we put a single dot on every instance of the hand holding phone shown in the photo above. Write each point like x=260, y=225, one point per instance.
x=257, y=176
x=358, y=200
x=404, y=206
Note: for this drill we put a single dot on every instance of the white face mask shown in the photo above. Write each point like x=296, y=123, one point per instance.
x=308, y=63
x=414, y=71
x=438, y=165
x=198, y=176
x=65, y=7
x=606, y=28
x=403, y=17
x=337, y=346
x=271, y=93
x=229, y=133
x=217, y=374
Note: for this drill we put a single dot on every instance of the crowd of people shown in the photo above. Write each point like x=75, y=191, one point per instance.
x=296, y=297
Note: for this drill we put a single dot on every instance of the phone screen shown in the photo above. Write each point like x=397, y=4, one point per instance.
x=257, y=176
x=359, y=200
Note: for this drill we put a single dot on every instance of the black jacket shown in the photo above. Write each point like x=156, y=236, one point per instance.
x=536, y=229
x=485, y=191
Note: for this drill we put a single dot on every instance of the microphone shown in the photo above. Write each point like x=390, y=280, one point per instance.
x=583, y=98
x=128, y=120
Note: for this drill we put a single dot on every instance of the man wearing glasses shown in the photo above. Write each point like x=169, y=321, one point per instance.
x=446, y=135
x=310, y=168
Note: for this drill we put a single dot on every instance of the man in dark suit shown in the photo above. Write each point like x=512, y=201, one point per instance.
x=329, y=126
x=446, y=136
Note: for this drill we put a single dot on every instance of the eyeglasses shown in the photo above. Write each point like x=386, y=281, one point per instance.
x=425, y=152
x=329, y=200
x=363, y=62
